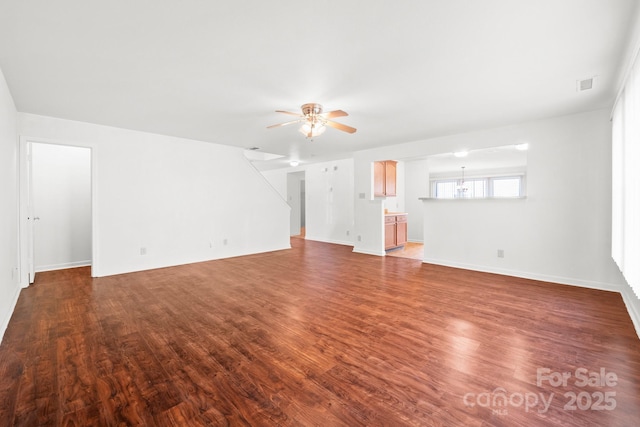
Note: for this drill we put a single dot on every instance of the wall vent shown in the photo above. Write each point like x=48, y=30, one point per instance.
x=586, y=84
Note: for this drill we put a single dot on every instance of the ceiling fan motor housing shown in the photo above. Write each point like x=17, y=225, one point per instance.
x=311, y=109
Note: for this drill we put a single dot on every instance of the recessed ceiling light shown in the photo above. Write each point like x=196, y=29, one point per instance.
x=461, y=153
x=294, y=163
x=522, y=147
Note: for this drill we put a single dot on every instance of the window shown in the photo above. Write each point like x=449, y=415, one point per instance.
x=625, y=224
x=506, y=187
x=445, y=189
x=479, y=188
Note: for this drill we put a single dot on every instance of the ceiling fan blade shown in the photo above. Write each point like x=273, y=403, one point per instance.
x=283, y=124
x=332, y=114
x=290, y=113
x=340, y=126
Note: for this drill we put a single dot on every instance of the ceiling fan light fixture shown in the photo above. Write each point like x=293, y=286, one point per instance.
x=311, y=129
x=314, y=121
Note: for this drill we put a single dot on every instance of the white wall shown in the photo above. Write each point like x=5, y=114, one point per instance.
x=278, y=179
x=329, y=199
x=561, y=232
x=9, y=287
x=178, y=200
x=329, y=189
x=416, y=185
x=61, y=184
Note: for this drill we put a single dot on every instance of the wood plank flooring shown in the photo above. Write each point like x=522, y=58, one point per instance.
x=315, y=336
x=409, y=250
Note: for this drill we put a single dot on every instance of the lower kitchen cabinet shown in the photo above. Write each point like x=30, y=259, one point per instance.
x=395, y=230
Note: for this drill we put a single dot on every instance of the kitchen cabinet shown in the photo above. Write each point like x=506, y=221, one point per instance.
x=384, y=178
x=395, y=230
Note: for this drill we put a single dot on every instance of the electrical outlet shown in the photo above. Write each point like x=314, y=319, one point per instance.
x=362, y=195
x=143, y=251
x=348, y=232
x=500, y=253
x=224, y=242
x=359, y=238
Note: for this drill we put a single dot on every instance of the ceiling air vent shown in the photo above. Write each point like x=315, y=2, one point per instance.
x=586, y=84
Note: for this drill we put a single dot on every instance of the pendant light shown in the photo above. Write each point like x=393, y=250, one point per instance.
x=462, y=187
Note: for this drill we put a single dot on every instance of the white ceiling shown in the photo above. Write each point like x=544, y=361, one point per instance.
x=403, y=70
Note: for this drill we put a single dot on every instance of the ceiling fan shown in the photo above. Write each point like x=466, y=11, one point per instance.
x=314, y=121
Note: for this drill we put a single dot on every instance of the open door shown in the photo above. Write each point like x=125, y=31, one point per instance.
x=27, y=266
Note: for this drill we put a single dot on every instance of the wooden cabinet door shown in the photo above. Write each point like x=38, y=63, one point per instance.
x=401, y=230
x=379, y=172
x=384, y=178
x=389, y=232
x=390, y=178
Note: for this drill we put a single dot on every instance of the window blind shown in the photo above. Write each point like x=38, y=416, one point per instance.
x=625, y=224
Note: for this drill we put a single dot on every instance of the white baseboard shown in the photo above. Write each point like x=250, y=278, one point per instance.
x=528, y=275
x=368, y=252
x=627, y=295
x=323, y=240
x=230, y=254
x=63, y=266
x=633, y=306
x=238, y=254
x=5, y=322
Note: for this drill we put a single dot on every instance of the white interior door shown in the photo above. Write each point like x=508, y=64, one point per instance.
x=27, y=265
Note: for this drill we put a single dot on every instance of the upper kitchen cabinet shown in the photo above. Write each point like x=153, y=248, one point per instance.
x=384, y=178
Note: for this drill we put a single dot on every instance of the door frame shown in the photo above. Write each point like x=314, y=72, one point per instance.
x=25, y=226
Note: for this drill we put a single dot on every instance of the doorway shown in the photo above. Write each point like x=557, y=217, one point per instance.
x=56, y=207
x=296, y=197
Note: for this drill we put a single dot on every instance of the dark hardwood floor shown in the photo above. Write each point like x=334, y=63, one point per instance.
x=316, y=335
